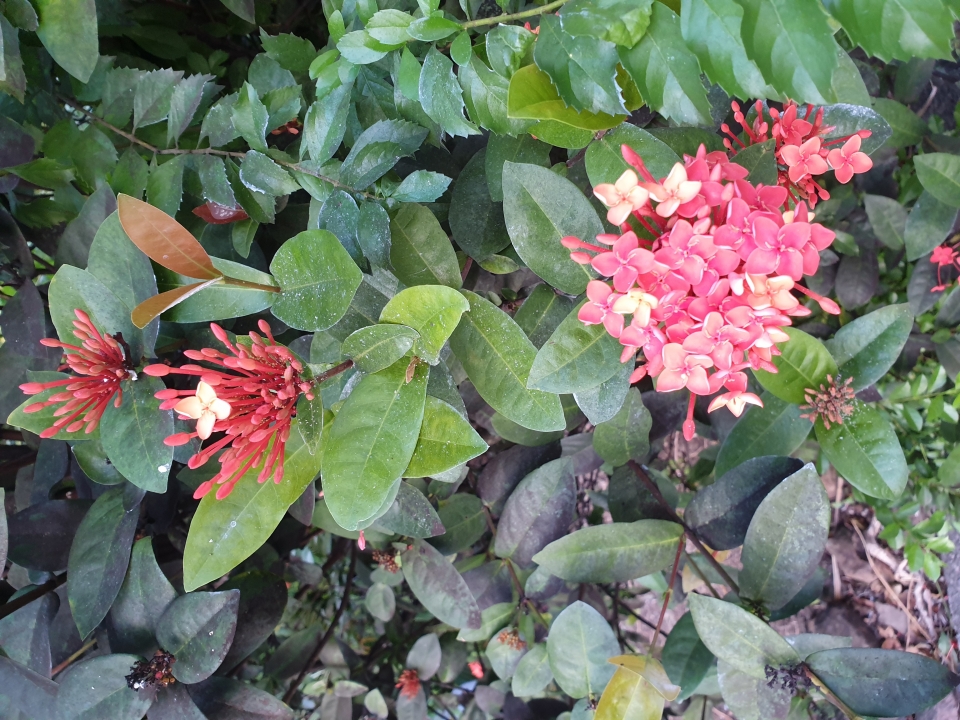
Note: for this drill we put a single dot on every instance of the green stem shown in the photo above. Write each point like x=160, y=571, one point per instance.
x=515, y=16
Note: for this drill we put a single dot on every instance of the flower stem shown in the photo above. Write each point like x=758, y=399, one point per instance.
x=515, y=16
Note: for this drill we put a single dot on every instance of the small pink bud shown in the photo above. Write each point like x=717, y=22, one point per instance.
x=157, y=370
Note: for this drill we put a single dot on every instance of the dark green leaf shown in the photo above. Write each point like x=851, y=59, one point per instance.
x=197, y=629
x=293, y=53
x=97, y=688
x=760, y=160
x=866, y=452
x=804, y=363
x=774, y=429
x=441, y=589
x=325, y=124
x=250, y=118
x=846, y=119
x=685, y=658
x=151, y=102
x=68, y=30
x=421, y=186
x=14, y=81
x=541, y=208
x=888, y=218
x=99, y=557
x=518, y=434
x=165, y=185
x=537, y=513
x=446, y=440
x=882, y=682
x=542, y=312
x=624, y=437
x=485, y=95
x=604, y=401
x=433, y=311
x=371, y=442
x=497, y=357
x=907, y=128
x=604, y=160
x=721, y=513
x=928, y=224
x=420, y=250
x=503, y=148
x=476, y=221
x=867, y=347
x=224, y=698
x=263, y=175
x=506, y=46
x=939, y=173
x=464, y=523
x=144, y=595
x=411, y=514
x=373, y=234
x=579, y=644
x=25, y=634
x=219, y=300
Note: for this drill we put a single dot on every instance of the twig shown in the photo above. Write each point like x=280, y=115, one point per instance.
x=655, y=491
x=631, y=611
x=70, y=660
x=615, y=596
x=889, y=590
x=291, y=691
x=515, y=16
x=27, y=598
x=667, y=594
x=335, y=370
x=523, y=597
x=466, y=268
x=926, y=106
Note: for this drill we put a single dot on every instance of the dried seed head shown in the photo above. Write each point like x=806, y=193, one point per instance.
x=832, y=402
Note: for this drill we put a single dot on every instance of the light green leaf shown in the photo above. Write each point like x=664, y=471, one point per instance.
x=804, y=363
x=579, y=645
x=250, y=118
x=446, y=440
x=151, y=102
x=867, y=347
x=263, y=175
x=68, y=30
x=604, y=160
x=325, y=124
x=894, y=29
x=377, y=347
x=532, y=96
x=533, y=672
x=939, y=173
x=421, y=186
x=618, y=21
x=485, y=96
x=420, y=250
x=432, y=310
x=441, y=96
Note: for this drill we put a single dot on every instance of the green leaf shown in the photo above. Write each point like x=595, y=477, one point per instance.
x=928, y=225
x=751, y=698
x=846, y=119
x=463, y=521
x=439, y=587
x=537, y=513
x=532, y=96
x=37, y=422
x=793, y=46
x=604, y=160
x=503, y=148
x=583, y=69
x=446, y=440
x=13, y=81
x=215, y=545
x=165, y=185
x=888, y=218
x=219, y=300
x=380, y=602
x=666, y=72
x=441, y=96
x=721, y=513
x=882, y=682
x=68, y=30
x=144, y=595
x=213, y=178
x=359, y=48
x=866, y=452
x=624, y=437
x=151, y=102
x=939, y=173
x=711, y=29
x=738, y=638
x=542, y=312
x=263, y=175
x=533, y=672
x=867, y=347
x=786, y=539
x=893, y=29
x=476, y=221
x=804, y=363
x=310, y=416
x=291, y=52
x=72, y=289
x=420, y=250
x=493, y=618
x=197, y=629
x=603, y=402
x=97, y=688
x=497, y=357
x=263, y=598
x=244, y=9
x=132, y=435
x=411, y=514
x=431, y=29
x=615, y=552
x=218, y=122
x=629, y=696
x=760, y=159
x=250, y=118
x=519, y=435
x=22, y=15
x=577, y=357
x=432, y=310
x=618, y=21
x=540, y=208
x=389, y=27
x=325, y=124
x=25, y=635
x=774, y=429
x=507, y=46
x=184, y=103
x=485, y=95
x=98, y=558
x=373, y=234
x=685, y=658
x=579, y=644
x=379, y=346
x=907, y=128
x=318, y=280
x=371, y=442
x=421, y=186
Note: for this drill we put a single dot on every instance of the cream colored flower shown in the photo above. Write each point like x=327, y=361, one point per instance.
x=674, y=191
x=639, y=303
x=204, y=407
x=622, y=197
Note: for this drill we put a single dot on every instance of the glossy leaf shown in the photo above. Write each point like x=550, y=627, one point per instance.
x=804, y=363
x=371, y=442
x=616, y=21
x=739, y=638
x=721, y=513
x=445, y=441
x=475, y=219
x=420, y=250
x=433, y=311
x=377, y=347
x=532, y=96
x=40, y=535
x=928, y=224
x=441, y=589
x=411, y=514
x=624, y=437
x=497, y=357
x=441, y=95
x=881, y=27
x=867, y=347
x=846, y=119
x=604, y=159
x=197, y=629
x=219, y=300
x=866, y=452
x=939, y=173
x=377, y=150
x=774, y=429
x=578, y=646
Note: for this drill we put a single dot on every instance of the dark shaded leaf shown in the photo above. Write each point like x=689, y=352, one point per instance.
x=40, y=535
x=143, y=596
x=440, y=588
x=197, y=629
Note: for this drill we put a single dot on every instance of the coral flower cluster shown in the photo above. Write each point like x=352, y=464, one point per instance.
x=801, y=148
x=943, y=257
x=100, y=364
x=701, y=278
x=249, y=395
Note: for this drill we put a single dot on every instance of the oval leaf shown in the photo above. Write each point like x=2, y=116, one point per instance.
x=197, y=630
x=579, y=645
x=438, y=585
x=804, y=362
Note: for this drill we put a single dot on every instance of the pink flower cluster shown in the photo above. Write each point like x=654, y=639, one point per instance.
x=943, y=256
x=802, y=150
x=704, y=268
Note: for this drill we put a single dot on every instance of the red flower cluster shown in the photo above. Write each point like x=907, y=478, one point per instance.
x=801, y=149
x=252, y=401
x=943, y=256
x=101, y=363
x=709, y=291
x=409, y=684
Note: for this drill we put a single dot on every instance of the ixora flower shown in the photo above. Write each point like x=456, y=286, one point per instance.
x=249, y=395
x=943, y=256
x=409, y=684
x=100, y=364
x=702, y=280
